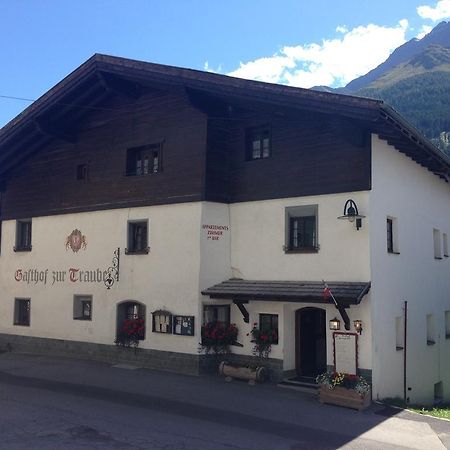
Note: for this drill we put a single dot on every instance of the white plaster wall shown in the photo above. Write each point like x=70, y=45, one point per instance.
x=258, y=237
x=165, y=278
x=420, y=201
x=257, y=240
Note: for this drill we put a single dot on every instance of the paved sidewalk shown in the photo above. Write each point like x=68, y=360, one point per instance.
x=265, y=409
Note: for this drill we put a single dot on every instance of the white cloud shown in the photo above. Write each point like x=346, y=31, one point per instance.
x=423, y=31
x=440, y=11
x=206, y=68
x=341, y=29
x=334, y=62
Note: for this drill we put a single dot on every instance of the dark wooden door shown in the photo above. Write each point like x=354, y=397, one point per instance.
x=311, y=344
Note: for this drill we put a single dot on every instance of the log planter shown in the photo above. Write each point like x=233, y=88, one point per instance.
x=342, y=396
x=243, y=373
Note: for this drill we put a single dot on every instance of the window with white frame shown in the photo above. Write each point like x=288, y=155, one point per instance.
x=437, y=243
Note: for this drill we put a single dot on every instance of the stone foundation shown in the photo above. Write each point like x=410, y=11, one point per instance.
x=190, y=364
x=151, y=359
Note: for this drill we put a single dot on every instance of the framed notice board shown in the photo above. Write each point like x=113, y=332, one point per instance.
x=345, y=346
x=183, y=325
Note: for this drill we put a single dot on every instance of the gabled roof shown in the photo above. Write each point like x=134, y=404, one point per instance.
x=55, y=113
x=347, y=293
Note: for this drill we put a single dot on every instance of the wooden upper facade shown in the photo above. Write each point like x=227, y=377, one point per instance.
x=120, y=133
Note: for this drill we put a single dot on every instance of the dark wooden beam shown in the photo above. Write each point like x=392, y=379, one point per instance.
x=243, y=310
x=115, y=84
x=53, y=130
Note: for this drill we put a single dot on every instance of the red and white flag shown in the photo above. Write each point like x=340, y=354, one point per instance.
x=326, y=292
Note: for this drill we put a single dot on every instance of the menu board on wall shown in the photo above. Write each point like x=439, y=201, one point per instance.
x=345, y=352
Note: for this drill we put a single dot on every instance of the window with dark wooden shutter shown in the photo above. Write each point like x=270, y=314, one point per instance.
x=23, y=236
x=137, y=238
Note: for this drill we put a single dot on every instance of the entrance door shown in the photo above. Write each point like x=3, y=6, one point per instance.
x=311, y=342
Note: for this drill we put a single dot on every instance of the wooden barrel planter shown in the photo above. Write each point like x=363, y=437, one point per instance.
x=243, y=373
x=341, y=396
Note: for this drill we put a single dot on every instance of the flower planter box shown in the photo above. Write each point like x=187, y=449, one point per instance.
x=243, y=373
x=344, y=397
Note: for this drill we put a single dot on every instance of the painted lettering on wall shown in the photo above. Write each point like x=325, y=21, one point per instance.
x=215, y=232
x=72, y=275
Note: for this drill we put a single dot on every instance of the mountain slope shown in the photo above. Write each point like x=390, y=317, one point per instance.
x=440, y=35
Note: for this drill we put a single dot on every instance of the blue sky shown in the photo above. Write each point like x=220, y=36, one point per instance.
x=296, y=42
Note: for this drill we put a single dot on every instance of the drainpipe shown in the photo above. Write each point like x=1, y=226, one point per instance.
x=404, y=350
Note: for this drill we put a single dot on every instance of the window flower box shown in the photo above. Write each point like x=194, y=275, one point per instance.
x=341, y=389
x=342, y=396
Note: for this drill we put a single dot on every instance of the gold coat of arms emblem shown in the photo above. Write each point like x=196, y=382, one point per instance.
x=76, y=240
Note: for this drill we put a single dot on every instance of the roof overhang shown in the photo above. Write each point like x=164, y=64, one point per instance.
x=55, y=115
x=238, y=290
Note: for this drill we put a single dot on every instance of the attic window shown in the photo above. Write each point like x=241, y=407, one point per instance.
x=144, y=160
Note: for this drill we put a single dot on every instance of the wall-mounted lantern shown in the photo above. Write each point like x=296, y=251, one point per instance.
x=358, y=326
x=335, y=324
x=351, y=213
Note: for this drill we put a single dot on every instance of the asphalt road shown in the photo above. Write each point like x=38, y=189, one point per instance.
x=58, y=403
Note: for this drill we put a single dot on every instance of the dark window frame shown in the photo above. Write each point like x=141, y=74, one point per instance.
x=144, y=160
x=390, y=235
x=269, y=319
x=82, y=172
x=161, y=313
x=23, y=235
x=258, y=135
x=215, y=310
x=304, y=219
x=22, y=312
x=136, y=244
x=130, y=310
x=79, y=302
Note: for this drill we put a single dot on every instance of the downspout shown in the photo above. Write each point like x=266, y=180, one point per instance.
x=405, y=328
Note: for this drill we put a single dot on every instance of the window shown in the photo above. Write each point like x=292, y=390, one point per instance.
x=216, y=313
x=437, y=244
x=137, y=237
x=301, y=229
x=269, y=323
x=22, y=312
x=82, y=172
x=144, y=160
x=131, y=311
x=392, y=235
x=447, y=324
x=445, y=244
x=23, y=236
x=82, y=307
x=431, y=339
x=258, y=142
